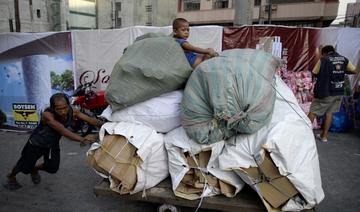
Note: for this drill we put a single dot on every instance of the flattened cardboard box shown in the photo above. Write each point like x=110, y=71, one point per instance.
x=275, y=188
x=92, y=162
x=117, y=157
x=192, y=185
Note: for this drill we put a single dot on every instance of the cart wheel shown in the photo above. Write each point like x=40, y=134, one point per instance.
x=166, y=208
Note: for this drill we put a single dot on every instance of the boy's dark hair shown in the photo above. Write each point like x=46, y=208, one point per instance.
x=58, y=96
x=327, y=49
x=177, y=22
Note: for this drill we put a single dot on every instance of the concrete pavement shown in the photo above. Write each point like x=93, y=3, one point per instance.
x=71, y=189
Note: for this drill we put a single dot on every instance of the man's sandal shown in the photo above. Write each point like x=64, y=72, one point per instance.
x=35, y=177
x=12, y=185
x=318, y=137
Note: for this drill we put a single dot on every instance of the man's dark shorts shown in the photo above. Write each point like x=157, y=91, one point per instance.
x=31, y=154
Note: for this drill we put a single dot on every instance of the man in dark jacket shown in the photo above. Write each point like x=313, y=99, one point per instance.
x=44, y=140
x=330, y=72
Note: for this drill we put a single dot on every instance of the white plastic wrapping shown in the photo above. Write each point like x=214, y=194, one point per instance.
x=161, y=113
x=150, y=148
x=290, y=141
x=177, y=142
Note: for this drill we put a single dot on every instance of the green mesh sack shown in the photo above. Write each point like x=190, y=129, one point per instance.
x=229, y=94
x=150, y=67
x=150, y=35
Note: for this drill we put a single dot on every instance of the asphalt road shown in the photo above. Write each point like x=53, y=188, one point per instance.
x=71, y=189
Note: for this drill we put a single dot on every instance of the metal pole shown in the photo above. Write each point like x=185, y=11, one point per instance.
x=243, y=12
x=11, y=27
x=269, y=12
x=97, y=14
x=262, y=8
x=17, y=16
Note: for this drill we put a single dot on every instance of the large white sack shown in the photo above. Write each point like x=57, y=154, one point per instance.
x=161, y=113
x=177, y=142
x=150, y=148
x=290, y=141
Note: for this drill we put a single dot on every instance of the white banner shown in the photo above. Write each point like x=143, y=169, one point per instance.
x=97, y=51
x=349, y=44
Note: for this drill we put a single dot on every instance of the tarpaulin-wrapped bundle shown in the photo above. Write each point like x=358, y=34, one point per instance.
x=288, y=143
x=162, y=113
x=229, y=94
x=194, y=168
x=131, y=155
x=149, y=67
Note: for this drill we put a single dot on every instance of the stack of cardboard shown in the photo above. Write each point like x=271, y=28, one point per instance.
x=193, y=183
x=274, y=189
x=117, y=158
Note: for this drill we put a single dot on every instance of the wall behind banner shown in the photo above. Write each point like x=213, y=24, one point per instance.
x=32, y=68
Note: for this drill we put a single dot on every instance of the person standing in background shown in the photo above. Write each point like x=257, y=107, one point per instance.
x=330, y=72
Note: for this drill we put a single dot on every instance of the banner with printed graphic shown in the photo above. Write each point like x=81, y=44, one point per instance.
x=33, y=66
x=299, y=47
x=298, y=44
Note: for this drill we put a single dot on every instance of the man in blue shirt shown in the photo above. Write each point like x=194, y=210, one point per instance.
x=181, y=33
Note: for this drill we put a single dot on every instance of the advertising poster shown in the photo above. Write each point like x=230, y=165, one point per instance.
x=25, y=115
x=33, y=66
